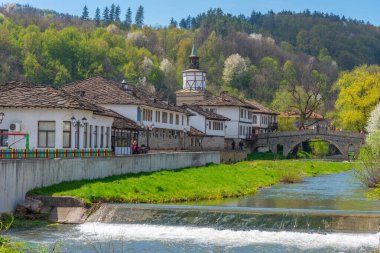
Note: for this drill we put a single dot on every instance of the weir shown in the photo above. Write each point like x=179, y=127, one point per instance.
x=240, y=218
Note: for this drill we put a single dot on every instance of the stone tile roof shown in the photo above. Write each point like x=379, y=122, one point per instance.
x=261, y=108
x=195, y=132
x=22, y=94
x=225, y=100
x=99, y=90
x=26, y=95
x=206, y=114
x=122, y=122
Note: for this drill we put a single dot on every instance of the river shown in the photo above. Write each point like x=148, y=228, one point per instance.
x=330, y=192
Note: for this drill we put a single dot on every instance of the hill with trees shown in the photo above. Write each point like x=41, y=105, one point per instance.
x=260, y=56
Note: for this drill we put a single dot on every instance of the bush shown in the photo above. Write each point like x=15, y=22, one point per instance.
x=368, y=170
x=319, y=148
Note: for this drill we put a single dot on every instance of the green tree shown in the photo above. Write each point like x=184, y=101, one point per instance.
x=85, y=13
x=172, y=23
x=117, y=13
x=97, y=17
x=106, y=15
x=128, y=18
x=359, y=92
x=139, y=18
x=112, y=12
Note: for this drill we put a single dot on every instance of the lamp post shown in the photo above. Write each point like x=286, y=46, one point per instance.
x=78, y=124
x=2, y=116
x=184, y=138
x=148, y=129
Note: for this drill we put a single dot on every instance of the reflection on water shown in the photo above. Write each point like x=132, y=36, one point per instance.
x=328, y=192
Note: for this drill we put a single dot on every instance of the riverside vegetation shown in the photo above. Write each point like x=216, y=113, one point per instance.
x=208, y=182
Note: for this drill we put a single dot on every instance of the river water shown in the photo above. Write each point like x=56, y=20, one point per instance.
x=331, y=192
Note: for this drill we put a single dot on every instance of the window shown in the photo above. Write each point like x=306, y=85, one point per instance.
x=107, y=137
x=164, y=117
x=158, y=116
x=241, y=113
x=96, y=136
x=147, y=114
x=217, y=125
x=85, y=130
x=254, y=119
x=66, y=134
x=101, y=136
x=249, y=115
x=213, y=110
x=177, y=119
x=3, y=138
x=46, y=134
x=245, y=114
x=182, y=120
x=171, y=118
x=90, y=146
x=209, y=125
x=188, y=119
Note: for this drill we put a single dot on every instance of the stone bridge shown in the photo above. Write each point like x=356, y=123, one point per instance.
x=345, y=142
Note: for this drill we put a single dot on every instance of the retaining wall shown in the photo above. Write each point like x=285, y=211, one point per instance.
x=17, y=177
x=232, y=156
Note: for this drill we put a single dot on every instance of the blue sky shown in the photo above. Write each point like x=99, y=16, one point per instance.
x=159, y=12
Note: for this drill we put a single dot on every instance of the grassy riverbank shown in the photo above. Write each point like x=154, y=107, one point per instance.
x=209, y=182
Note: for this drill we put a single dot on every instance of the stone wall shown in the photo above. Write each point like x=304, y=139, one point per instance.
x=162, y=139
x=208, y=143
x=232, y=156
x=17, y=177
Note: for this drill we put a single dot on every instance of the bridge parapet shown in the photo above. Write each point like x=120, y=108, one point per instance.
x=311, y=132
x=345, y=142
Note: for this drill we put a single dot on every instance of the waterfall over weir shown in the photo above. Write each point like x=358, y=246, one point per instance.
x=240, y=218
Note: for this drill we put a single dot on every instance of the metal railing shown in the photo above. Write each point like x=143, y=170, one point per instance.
x=54, y=153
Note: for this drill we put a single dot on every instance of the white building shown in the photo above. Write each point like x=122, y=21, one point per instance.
x=41, y=117
x=207, y=129
x=246, y=117
x=164, y=124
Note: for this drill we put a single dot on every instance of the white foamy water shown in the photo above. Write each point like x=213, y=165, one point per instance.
x=227, y=238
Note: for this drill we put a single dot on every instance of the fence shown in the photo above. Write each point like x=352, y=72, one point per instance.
x=53, y=153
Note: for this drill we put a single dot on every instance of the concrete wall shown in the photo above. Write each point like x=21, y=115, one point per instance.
x=17, y=177
x=232, y=156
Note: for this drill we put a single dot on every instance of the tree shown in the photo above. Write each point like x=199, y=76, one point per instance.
x=301, y=95
x=128, y=18
x=373, y=124
x=359, y=93
x=183, y=24
x=106, y=15
x=85, y=13
x=236, y=73
x=172, y=23
x=97, y=17
x=117, y=13
x=112, y=12
x=139, y=18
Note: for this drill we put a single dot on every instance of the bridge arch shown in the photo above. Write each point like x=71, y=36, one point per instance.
x=289, y=147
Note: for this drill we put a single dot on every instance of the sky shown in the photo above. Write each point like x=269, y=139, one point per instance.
x=159, y=12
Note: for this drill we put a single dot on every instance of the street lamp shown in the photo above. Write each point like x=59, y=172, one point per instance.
x=78, y=123
x=184, y=137
x=2, y=116
x=148, y=128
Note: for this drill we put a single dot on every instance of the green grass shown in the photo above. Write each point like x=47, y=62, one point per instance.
x=209, y=182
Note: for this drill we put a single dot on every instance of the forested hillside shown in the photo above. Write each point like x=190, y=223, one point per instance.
x=254, y=56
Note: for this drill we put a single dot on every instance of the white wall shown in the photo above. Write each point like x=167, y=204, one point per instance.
x=17, y=177
x=29, y=117
x=130, y=111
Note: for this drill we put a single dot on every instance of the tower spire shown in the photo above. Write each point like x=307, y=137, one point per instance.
x=194, y=59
